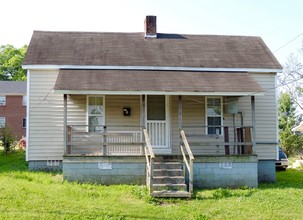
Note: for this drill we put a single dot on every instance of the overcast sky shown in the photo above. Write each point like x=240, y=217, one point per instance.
x=277, y=21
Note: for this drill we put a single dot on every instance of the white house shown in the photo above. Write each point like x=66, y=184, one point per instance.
x=91, y=95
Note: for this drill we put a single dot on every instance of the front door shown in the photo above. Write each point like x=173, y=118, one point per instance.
x=157, y=122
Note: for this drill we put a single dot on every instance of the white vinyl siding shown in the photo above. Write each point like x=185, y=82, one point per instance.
x=193, y=111
x=266, y=117
x=114, y=111
x=45, y=131
x=114, y=116
x=46, y=112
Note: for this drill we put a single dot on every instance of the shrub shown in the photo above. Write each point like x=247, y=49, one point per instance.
x=7, y=139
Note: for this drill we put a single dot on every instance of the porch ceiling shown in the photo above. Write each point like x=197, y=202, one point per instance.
x=156, y=82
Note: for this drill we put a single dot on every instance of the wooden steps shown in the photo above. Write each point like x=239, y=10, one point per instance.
x=168, y=178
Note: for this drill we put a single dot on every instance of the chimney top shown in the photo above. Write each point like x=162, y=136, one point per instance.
x=150, y=26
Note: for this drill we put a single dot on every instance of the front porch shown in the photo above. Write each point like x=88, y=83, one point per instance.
x=160, y=131
x=124, y=155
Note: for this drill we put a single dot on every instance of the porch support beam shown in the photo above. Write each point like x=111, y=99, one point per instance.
x=143, y=111
x=65, y=121
x=180, y=113
x=253, y=115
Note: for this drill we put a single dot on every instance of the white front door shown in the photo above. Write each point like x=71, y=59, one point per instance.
x=157, y=113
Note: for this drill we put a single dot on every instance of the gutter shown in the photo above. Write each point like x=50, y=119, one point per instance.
x=161, y=68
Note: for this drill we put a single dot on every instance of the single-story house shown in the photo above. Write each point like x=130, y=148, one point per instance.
x=172, y=111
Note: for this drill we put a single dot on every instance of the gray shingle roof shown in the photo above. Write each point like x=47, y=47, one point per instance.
x=163, y=81
x=132, y=49
x=12, y=88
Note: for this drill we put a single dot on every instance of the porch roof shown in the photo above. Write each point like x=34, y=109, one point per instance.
x=156, y=82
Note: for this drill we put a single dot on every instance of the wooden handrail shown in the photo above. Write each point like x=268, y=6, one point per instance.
x=150, y=156
x=189, y=165
x=184, y=139
x=148, y=145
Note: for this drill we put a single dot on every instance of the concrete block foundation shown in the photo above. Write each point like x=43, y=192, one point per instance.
x=105, y=170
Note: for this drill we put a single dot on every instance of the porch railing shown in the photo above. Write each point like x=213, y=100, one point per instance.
x=188, y=160
x=157, y=132
x=150, y=157
x=228, y=140
x=104, y=140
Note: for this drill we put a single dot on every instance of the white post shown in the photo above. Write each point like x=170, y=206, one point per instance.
x=65, y=122
x=253, y=115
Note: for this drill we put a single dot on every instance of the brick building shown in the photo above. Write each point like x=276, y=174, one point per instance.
x=13, y=106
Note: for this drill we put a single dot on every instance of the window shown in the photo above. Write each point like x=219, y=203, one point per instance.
x=24, y=122
x=24, y=100
x=2, y=100
x=214, y=115
x=2, y=122
x=95, y=109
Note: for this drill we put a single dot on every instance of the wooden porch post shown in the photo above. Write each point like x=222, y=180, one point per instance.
x=143, y=112
x=143, y=118
x=65, y=122
x=253, y=115
x=180, y=113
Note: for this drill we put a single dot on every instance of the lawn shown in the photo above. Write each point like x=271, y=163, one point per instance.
x=39, y=195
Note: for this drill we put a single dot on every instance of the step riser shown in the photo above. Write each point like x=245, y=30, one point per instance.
x=168, y=166
x=168, y=173
x=172, y=188
x=169, y=194
x=169, y=180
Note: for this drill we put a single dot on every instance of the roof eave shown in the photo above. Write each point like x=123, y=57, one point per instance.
x=162, y=68
x=100, y=92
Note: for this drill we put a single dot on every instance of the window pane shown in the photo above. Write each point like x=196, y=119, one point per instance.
x=212, y=122
x=95, y=110
x=2, y=122
x=2, y=100
x=24, y=100
x=95, y=114
x=156, y=107
x=24, y=122
x=95, y=123
x=95, y=105
x=213, y=106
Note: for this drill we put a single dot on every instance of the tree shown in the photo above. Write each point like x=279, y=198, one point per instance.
x=290, y=142
x=11, y=63
x=7, y=139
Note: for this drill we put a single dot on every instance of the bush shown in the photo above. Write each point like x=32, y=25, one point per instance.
x=7, y=139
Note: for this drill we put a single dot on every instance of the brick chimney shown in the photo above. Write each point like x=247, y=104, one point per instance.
x=150, y=26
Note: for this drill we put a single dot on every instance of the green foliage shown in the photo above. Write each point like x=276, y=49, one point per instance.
x=11, y=63
x=7, y=138
x=44, y=195
x=290, y=142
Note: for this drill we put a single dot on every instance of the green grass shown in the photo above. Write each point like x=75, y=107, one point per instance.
x=39, y=195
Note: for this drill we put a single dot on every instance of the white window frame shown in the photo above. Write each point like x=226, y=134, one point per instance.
x=3, y=103
x=206, y=113
x=2, y=125
x=24, y=100
x=87, y=112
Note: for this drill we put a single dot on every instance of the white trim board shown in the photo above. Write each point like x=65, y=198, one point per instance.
x=167, y=68
x=99, y=92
